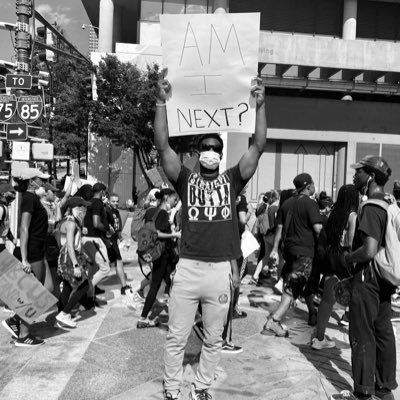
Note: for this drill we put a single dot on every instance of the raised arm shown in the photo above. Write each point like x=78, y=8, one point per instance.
x=249, y=161
x=169, y=159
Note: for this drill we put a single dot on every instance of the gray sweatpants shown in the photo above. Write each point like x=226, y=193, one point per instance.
x=196, y=282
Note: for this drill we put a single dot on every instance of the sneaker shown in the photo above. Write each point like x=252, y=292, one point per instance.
x=6, y=309
x=275, y=327
x=199, y=394
x=396, y=301
x=124, y=289
x=384, y=394
x=98, y=290
x=168, y=395
x=322, y=344
x=395, y=316
x=253, y=281
x=312, y=318
x=230, y=348
x=12, y=325
x=65, y=319
x=345, y=319
x=28, y=341
x=238, y=315
x=343, y=395
x=147, y=323
x=140, y=294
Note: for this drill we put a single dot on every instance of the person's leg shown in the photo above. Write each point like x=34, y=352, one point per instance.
x=159, y=268
x=102, y=261
x=119, y=269
x=364, y=308
x=215, y=305
x=65, y=294
x=76, y=297
x=385, y=376
x=183, y=304
x=326, y=306
x=48, y=280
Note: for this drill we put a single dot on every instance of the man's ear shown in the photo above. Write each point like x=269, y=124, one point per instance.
x=220, y=156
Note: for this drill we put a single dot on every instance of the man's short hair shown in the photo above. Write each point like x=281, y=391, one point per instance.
x=98, y=187
x=215, y=136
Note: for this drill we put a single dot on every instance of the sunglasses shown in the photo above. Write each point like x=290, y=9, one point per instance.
x=207, y=147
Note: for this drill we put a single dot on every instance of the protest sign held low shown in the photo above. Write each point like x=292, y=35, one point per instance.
x=22, y=292
x=212, y=61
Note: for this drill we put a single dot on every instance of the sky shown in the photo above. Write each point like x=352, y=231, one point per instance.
x=69, y=14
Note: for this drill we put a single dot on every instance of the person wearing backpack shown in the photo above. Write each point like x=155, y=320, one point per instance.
x=373, y=346
x=161, y=265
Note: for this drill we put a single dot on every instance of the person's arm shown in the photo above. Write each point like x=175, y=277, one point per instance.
x=235, y=274
x=26, y=219
x=242, y=217
x=249, y=161
x=277, y=238
x=67, y=192
x=365, y=253
x=352, y=227
x=70, y=228
x=172, y=235
x=169, y=159
x=11, y=238
x=317, y=229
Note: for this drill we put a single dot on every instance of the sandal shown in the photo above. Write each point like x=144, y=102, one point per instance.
x=147, y=323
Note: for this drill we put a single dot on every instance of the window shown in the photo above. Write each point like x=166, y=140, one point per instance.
x=174, y=7
x=151, y=9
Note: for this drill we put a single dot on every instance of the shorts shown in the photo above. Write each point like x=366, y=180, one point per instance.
x=296, y=273
x=113, y=252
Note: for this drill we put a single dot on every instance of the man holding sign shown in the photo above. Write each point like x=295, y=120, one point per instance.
x=210, y=239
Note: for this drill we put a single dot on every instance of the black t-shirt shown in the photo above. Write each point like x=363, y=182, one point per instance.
x=96, y=208
x=299, y=238
x=210, y=229
x=38, y=227
x=241, y=207
x=372, y=222
x=162, y=221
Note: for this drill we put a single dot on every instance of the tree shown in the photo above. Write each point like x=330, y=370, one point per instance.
x=124, y=111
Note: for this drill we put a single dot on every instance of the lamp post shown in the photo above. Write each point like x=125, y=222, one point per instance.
x=93, y=38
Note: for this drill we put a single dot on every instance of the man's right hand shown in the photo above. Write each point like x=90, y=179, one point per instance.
x=164, y=87
x=26, y=267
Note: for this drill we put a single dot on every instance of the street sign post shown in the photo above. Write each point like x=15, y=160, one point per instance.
x=8, y=105
x=18, y=81
x=29, y=108
x=17, y=131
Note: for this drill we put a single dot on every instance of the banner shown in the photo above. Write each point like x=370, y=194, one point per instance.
x=22, y=292
x=212, y=61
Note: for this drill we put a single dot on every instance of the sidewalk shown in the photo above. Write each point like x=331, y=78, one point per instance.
x=106, y=357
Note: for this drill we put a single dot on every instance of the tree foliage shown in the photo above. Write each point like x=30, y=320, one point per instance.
x=124, y=111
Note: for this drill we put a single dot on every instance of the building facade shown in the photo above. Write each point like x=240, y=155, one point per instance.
x=331, y=69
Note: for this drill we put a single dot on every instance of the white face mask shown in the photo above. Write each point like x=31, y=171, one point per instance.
x=210, y=159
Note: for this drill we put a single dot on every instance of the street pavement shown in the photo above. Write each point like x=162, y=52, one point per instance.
x=107, y=357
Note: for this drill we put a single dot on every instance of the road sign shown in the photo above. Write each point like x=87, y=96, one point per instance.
x=18, y=81
x=17, y=131
x=8, y=105
x=29, y=108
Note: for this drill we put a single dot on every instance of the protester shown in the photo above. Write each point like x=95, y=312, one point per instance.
x=72, y=264
x=298, y=226
x=114, y=254
x=7, y=196
x=210, y=239
x=33, y=232
x=372, y=340
x=161, y=266
x=340, y=231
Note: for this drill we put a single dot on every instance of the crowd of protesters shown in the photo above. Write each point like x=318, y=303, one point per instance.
x=314, y=247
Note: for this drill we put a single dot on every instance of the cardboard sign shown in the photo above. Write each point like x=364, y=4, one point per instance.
x=22, y=292
x=212, y=60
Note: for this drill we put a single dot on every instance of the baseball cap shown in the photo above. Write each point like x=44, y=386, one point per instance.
x=77, y=201
x=375, y=162
x=29, y=173
x=48, y=186
x=6, y=187
x=302, y=180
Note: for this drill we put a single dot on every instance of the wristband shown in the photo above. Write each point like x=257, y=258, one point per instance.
x=158, y=104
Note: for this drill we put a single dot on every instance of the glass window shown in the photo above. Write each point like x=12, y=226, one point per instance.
x=197, y=7
x=150, y=10
x=174, y=7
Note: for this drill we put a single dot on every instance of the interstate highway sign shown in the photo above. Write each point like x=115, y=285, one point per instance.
x=29, y=108
x=17, y=131
x=8, y=105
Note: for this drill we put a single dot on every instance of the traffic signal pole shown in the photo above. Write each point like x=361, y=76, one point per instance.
x=22, y=35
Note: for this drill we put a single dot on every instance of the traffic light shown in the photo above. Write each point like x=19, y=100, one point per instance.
x=88, y=86
x=46, y=37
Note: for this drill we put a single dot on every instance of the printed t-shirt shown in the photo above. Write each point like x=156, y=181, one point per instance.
x=38, y=227
x=96, y=208
x=299, y=239
x=372, y=222
x=210, y=229
x=114, y=220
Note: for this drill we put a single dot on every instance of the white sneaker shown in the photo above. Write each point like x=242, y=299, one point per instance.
x=65, y=319
x=322, y=344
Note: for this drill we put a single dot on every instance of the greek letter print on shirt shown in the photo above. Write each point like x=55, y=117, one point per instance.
x=209, y=201
x=210, y=230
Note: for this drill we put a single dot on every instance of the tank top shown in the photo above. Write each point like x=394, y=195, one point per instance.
x=78, y=234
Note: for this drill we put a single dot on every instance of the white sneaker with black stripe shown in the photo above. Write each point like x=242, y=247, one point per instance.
x=29, y=341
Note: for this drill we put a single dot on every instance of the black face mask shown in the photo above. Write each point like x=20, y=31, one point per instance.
x=9, y=198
